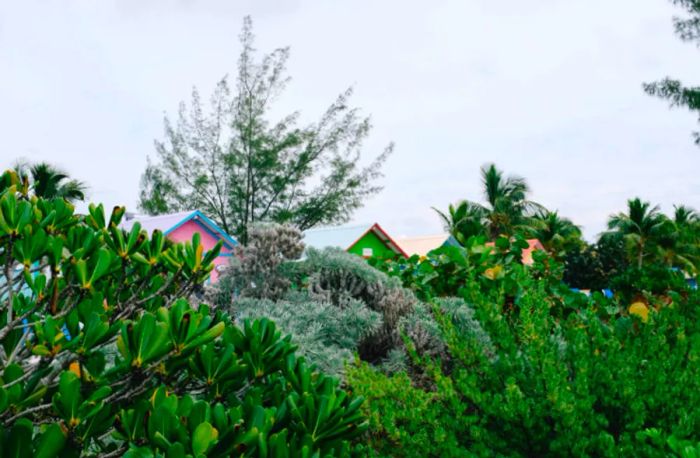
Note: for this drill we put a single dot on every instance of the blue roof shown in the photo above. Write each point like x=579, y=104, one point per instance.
x=451, y=241
x=168, y=223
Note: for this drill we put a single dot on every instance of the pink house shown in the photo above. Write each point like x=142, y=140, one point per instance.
x=180, y=227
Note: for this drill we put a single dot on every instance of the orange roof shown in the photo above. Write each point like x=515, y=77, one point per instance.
x=533, y=244
x=422, y=245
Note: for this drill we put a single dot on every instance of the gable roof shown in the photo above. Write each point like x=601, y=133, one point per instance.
x=170, y=222
x=345, y=237
x=384, y=237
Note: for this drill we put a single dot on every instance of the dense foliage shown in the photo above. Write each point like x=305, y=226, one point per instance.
x=594, y=266
x=101, y=353
x=653, y=238
x=647, y=235
x=469, y=352
x=258, y=269
x=238, y=167
x=462, y=270
x=536, y=369
x=332, y=302
x=326, y=334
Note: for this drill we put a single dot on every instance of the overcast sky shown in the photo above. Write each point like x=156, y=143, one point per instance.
x=547, y=89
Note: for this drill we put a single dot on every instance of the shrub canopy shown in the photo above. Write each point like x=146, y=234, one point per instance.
x=531, y=368
x=101, y=353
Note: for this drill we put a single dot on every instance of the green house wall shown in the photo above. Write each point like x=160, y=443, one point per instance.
x=370, y=240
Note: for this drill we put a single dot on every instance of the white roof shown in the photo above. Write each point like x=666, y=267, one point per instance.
x=158, y=222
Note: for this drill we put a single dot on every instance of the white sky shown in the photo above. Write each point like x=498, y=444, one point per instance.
x=546, y=89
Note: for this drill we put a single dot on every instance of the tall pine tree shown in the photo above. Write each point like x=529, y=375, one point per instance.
x=673, y=90
x=236, y=165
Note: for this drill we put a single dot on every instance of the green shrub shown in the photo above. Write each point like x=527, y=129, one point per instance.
x=590, y=382
x=101, y=353
x=651, y=280
x=334, y=276
x=334, y=304
x=426, y=335
x=475, y=268
x=257, y=270
x=327, y=335
x=594, y=266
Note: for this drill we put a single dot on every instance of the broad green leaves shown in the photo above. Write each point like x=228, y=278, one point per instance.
x=102, y=353
x=15, y=214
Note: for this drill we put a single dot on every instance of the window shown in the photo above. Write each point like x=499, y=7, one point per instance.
x=367, y=252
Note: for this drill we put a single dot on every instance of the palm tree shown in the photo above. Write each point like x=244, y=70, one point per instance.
x=643, y=227
x=679, y=243
x=463, y=221
x=558, y=235
x=507, y=207
x=685, y=216
x=506, y=210
x=50, y=182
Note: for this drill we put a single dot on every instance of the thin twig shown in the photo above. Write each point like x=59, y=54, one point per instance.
x=118, y=452
x=31, y=410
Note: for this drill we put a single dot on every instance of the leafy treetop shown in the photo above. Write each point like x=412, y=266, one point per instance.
x=101, y=353
x=673, y=90
x=240, y=168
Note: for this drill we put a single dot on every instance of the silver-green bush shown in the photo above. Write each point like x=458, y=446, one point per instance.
x=326, y=334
